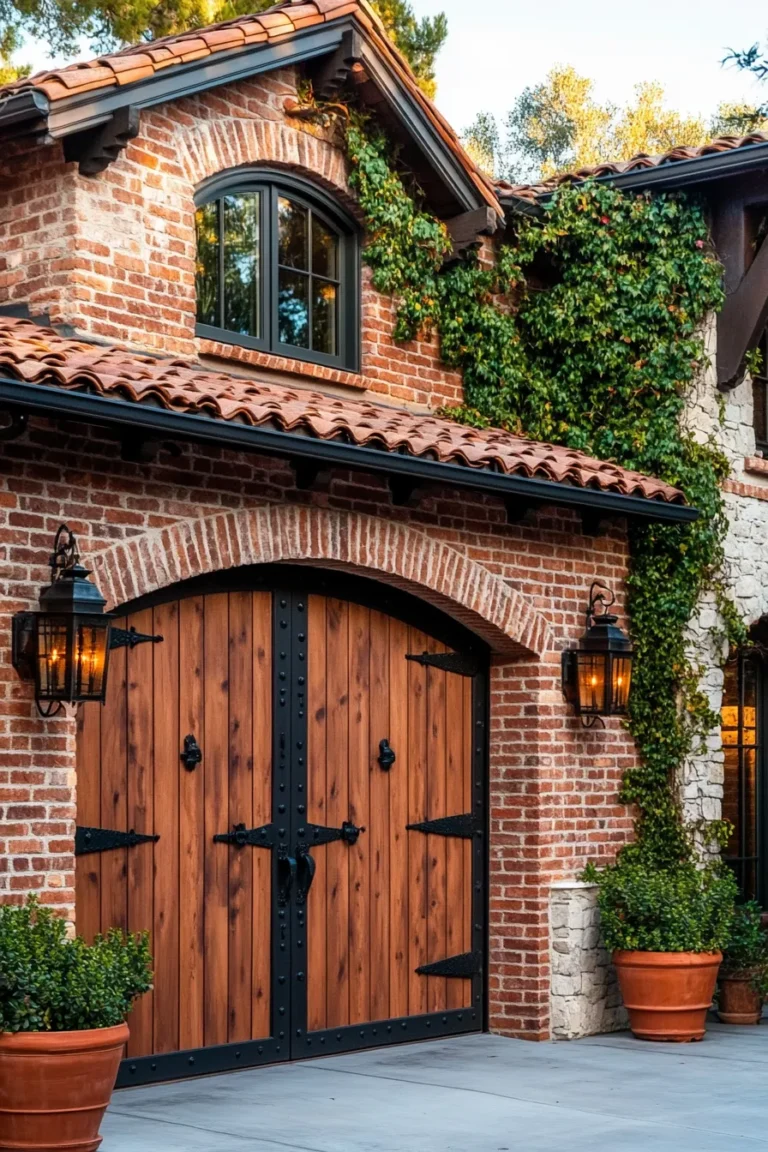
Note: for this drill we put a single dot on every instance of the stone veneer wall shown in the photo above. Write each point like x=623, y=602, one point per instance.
x=585, y=997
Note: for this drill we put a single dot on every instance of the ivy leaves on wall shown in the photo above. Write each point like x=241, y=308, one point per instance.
x=609, y=295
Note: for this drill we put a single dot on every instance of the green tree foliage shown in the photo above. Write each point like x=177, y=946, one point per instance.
x=747, y=118
x=63, y=24
x=560, y=125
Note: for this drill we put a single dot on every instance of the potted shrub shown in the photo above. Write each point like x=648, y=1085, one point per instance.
x=744, y=973
x=62, y=1026
x=666, y=927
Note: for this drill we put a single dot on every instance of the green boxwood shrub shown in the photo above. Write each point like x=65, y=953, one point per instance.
x=50, y=983
x=746, y=950
x=683, y=909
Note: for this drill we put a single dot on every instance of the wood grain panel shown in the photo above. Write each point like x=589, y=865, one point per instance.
x=191, y=721
x=241, y=860
x=168, y=768
x=141, y=814
x=216, y=671
x=358, y=855
x=317, y=709
x=337, y=858
x=261, y=736
x=468, y=806
x=88, y=867
x=437, y=846
x=417, y=841
x=397, y=781
x=114, y=794
x=378, y=819
x=456, y=800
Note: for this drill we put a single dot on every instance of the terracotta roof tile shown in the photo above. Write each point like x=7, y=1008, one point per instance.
x=140, y=61
x=637, y=163
x=39, y=355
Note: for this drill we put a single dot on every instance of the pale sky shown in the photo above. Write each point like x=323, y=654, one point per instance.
x=496, y=48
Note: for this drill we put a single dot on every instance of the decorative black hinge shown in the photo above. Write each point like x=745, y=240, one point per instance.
x=129, y=638
x=312, y=834
x=467, y=964
x=447, y=661
x=104, y=839
x=464, y=825
x=240, y=836
x=386, y=755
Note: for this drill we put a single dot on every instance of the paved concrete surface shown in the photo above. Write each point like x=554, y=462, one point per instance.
x=472, y=1094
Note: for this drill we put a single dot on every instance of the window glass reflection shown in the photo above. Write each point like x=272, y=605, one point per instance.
x=207, y=264
x=293, y=232
x=241, y=263
x=293, y=308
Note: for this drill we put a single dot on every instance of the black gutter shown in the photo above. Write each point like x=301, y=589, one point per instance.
x=158, y=423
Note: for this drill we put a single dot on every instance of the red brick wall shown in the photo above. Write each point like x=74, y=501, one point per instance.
x=114, y=255
x=552, y=784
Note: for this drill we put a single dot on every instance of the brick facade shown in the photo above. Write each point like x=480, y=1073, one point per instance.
x=113, y=256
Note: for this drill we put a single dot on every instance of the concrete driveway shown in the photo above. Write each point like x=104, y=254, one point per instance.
x=472, y=1094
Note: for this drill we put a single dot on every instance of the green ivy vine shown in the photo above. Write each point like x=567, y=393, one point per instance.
x=610, y=291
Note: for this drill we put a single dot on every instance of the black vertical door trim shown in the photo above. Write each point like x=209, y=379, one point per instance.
x=297, y=692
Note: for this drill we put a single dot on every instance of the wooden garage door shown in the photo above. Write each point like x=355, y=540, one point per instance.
x=314, y=881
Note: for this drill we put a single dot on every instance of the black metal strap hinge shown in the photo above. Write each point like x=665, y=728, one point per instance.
x=464, y=825
x=456, y=662
x=467, y=964
x=129, y=638
x=313, y=834
x=104, y=839
x=240, y=836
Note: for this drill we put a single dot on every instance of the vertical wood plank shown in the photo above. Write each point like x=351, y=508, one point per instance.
x=469, y=798
x=417, y=841
x=359, y=814
x=378, y=819
x=191, y=721
x=168, y=770
x=455, y=802
x=261, y=735
x=141, y=816
x=88, y=867
x=216, y=706
x=436, y=845
x=397, y=782
x=337, y=870
x=114, y=796
x=317, y=976
x=240, y=920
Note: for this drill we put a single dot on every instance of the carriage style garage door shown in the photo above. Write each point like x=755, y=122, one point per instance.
x=287, y=791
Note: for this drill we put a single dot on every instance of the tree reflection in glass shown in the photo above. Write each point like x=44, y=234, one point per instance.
x=307, y=279
x=241, y=263
x=207, y=264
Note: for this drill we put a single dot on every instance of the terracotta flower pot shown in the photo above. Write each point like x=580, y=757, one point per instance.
x=740, y=1002
x=667, y=994
x=55, y=1087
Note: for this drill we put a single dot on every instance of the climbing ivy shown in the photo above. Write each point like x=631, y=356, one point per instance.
x=603, y=338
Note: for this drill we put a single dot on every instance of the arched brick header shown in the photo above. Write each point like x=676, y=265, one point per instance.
x=367, y=545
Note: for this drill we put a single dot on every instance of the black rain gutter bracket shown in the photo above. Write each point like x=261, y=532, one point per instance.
x=47, y=401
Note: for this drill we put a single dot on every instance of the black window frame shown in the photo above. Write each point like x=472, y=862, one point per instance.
x=749, y=867
x=271, y=184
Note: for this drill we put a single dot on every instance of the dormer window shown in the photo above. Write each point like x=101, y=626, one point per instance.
x=277, y=269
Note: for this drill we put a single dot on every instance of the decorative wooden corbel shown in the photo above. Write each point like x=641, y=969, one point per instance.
x=96, y=148
x=333, y=71
x=466, y=231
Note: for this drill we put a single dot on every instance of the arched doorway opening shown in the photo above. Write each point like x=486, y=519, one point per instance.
x=288, y=790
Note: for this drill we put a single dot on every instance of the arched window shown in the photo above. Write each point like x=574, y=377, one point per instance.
x=277, y=268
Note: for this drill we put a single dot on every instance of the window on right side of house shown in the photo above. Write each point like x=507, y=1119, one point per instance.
x=744, y=793
x=760, y=398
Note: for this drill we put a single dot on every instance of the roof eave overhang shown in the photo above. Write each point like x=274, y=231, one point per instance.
x=31, y=111
x=150, y=422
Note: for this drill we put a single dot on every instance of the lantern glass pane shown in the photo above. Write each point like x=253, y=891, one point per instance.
x=52, y=653
x=621, y=679
x=91, y=638
x=591, y=678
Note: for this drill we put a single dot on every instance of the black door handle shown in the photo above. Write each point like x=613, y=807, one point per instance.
x=307, y=866
x=287, y=869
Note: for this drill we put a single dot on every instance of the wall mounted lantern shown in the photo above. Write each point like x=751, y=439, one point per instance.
x=597, y=675
x=64, y=647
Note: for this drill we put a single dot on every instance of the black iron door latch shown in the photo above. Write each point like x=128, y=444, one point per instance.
x=311, y=836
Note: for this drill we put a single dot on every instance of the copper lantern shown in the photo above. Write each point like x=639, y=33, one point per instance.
x=597, y=675
x=64, y=646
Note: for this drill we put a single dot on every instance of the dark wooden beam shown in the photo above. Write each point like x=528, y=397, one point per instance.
x=742, y=320
x=306, y=473
x=402, y=489
x=517, y=509
x=466, y=231
x=95, y=149
x=591, y=522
